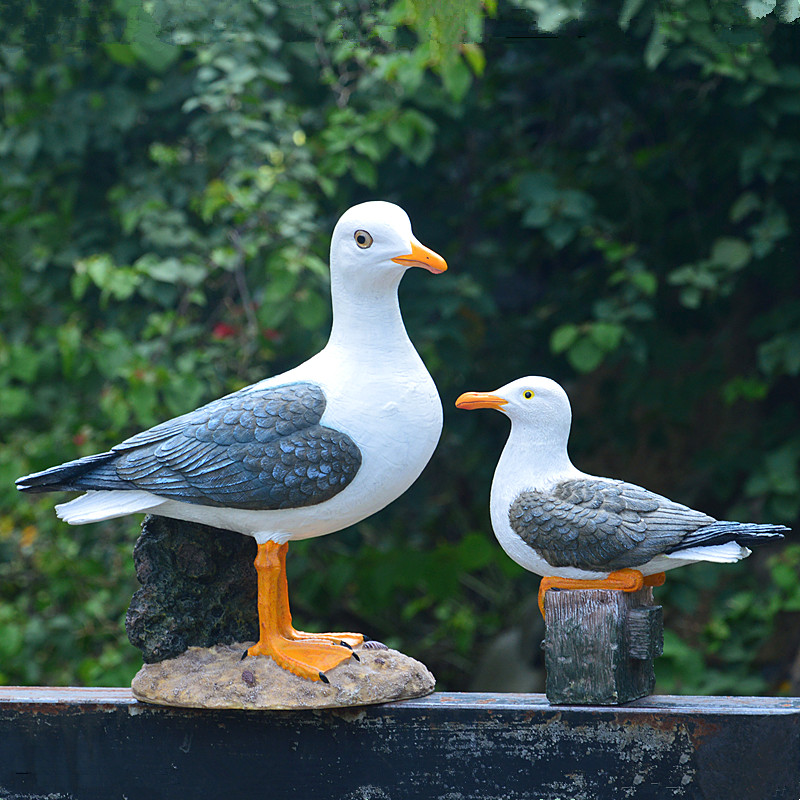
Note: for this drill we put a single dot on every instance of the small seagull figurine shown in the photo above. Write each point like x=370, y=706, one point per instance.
x=297, y=455
x=581, y=531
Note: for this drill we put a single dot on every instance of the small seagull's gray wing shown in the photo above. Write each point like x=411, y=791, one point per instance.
x=601, y=525
x=254, y=449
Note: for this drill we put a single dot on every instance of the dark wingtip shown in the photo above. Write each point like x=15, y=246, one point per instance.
x=37, y=482
x=761, y=534
x=36, y=488
x=23, y=484
x=89, y=472
x=776, y=531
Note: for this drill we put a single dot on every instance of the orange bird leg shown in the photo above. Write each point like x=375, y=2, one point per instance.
x=285, y=615
x=625, y=580
x=307, y=658
x=655, y=580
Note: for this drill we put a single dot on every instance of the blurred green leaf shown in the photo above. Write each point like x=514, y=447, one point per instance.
x=563, y=338
x=730, y=252
x=585, y=355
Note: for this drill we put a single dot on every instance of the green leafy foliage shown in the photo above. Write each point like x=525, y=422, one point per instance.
x=614, y=187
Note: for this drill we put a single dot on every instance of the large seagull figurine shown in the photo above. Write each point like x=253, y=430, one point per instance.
x=297, y=455
x=581, y=531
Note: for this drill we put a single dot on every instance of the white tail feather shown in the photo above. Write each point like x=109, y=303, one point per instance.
x=99, y=505
x=719, y=553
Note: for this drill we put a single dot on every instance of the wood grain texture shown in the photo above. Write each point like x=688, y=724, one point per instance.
x=645, y=632
x=600, y=644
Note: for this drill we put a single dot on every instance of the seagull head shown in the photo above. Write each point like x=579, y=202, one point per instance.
x=535, y=405
x=372, y=246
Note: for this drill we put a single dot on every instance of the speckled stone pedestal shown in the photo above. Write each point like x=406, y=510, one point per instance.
x=217, y=677
x=198, y=588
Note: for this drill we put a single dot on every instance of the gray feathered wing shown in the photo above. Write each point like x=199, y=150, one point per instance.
x=255, y=449
x=602, y=525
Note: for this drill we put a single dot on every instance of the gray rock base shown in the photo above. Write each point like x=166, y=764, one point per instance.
x=216, y=677
x=198, y=588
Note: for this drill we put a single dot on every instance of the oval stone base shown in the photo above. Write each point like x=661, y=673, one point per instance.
x=217, y=677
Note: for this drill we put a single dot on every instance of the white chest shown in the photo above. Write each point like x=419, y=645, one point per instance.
x=516, y=474
x=395, y=417
x=393, y=413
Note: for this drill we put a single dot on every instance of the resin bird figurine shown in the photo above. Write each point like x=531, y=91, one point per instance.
x=297, y=455
x=582, y=531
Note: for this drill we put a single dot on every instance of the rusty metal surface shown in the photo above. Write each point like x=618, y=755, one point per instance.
x=83, y=744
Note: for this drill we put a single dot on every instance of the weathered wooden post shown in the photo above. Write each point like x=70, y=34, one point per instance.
x=600, y=645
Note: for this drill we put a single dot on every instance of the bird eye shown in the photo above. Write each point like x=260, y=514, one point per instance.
x=527, y=394
x=363, y=239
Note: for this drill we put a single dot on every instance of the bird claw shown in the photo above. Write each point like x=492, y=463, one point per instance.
x=372, y=644
x=306, y=658
x=343, y=643
x=624, y=580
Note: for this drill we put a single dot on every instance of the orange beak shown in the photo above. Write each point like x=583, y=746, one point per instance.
x=421, y=256
x=472, y=400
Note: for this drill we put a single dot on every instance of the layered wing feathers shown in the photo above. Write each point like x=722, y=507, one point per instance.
x=597, y=524
x=255, y=449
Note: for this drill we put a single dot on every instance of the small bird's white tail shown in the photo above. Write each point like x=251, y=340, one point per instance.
x=719, y=553
x=95, y=506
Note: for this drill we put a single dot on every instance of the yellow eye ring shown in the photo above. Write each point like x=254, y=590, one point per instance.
x=527, y=394
x=363, y=239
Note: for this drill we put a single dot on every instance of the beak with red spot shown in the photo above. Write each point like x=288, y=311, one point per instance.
x=473, y=400
x=421, y=256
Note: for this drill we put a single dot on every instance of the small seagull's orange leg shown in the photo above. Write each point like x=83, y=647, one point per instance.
x=655, y=580
x=285, y=615
x=310, y=658
x=624, y=580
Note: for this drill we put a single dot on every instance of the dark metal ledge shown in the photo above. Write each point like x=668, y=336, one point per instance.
x=82, y=744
